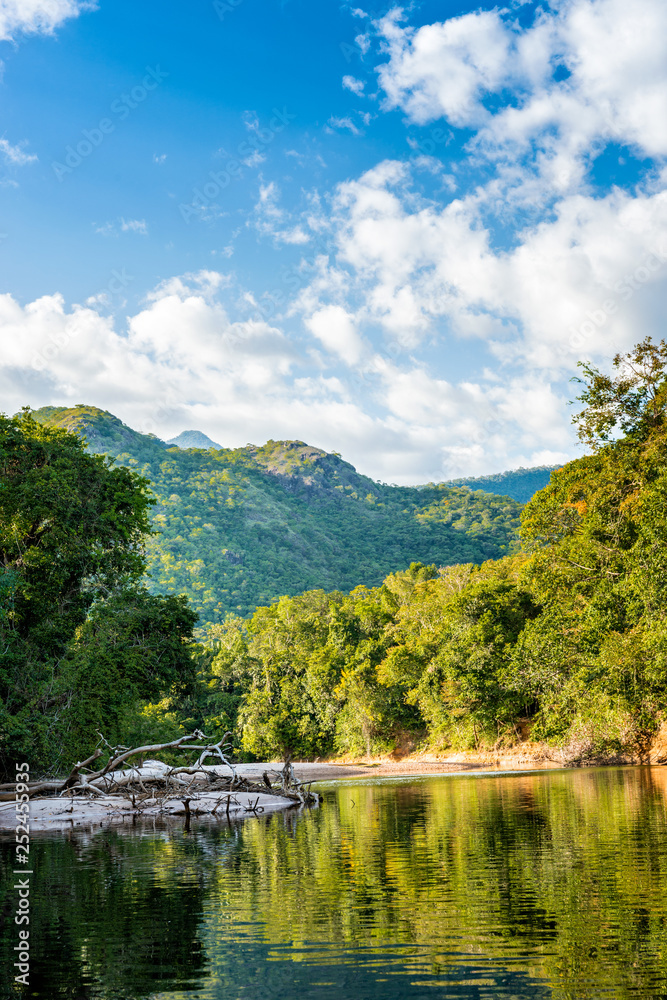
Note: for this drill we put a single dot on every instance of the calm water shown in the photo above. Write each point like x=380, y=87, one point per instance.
x=552, y=884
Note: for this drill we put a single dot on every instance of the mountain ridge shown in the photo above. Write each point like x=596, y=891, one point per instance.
x=240, y=527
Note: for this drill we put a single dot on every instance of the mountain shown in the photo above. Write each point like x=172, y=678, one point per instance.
x=520, y=484
x=104, y=433
x=193, y=439
x=239, y=527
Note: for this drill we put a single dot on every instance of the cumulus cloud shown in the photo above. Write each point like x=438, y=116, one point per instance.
x=37, y=16
x=16, y=155
x=271, y=220
x=587, y=73
x=436, y=323
x=183, y=361
x=356, y=86
x=334, y=327
x=579, y=272
x=583, y=281
x=444, y=69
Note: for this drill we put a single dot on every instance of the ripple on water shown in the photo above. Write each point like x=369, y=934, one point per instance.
x=548, y=884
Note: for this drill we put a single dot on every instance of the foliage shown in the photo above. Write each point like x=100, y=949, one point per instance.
x=634, y=400
x=520, y=484
x=239, y=528
x=72, y=533
x=133, y=647
x=568, y=638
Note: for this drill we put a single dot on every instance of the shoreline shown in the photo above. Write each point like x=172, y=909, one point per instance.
x=60, y=814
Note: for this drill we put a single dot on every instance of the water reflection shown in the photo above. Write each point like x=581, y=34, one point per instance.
x=534, y=885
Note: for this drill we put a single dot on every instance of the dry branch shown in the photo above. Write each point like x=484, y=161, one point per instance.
x=164, y=782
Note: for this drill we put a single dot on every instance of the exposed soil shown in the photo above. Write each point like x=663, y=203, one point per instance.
x=525, y=755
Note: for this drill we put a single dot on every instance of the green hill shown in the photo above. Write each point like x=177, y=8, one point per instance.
x=520, y=484
x=240, y=527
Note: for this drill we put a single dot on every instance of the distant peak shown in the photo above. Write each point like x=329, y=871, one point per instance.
x=193, y=439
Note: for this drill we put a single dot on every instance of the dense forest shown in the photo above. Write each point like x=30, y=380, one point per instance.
x=238, y=528
x=565, y=639
x=520, y=484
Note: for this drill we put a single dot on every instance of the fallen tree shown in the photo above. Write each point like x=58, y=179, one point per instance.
x=154, y=780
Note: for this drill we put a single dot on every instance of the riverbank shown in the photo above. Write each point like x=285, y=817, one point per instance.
x=80, y=812
x=156, y=791
x=524, y=755
x=59, y=813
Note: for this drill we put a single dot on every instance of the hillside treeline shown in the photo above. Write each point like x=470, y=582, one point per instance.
x=566, y=639
x=236, y=528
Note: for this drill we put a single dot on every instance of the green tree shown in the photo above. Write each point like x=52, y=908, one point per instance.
x=72, y=531
x=633, y=400
x=133, y=647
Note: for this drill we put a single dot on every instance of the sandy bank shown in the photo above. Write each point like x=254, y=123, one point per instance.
x=81, y=812
x=185, y=795
x=526, y=755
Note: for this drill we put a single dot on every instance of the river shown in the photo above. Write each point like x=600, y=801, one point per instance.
x=543, y=884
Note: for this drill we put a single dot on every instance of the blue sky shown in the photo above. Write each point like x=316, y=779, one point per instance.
x=389, y=232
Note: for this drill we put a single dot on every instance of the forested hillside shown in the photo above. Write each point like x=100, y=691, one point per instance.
x=520, y=484
x=567, y=639
x=238, y=528
x=82, y=643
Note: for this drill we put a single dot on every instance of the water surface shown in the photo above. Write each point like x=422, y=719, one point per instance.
x=549, y=884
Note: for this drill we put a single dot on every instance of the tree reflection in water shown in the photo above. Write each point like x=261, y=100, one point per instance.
x=535, y=885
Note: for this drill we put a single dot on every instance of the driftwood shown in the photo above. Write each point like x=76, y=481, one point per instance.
x=154, y=780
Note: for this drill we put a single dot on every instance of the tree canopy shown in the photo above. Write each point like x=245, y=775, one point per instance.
x=566, y=640
x=72, y=537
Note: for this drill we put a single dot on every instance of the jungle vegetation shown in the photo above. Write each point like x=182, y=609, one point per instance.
x=566, y=638
x=239, y=528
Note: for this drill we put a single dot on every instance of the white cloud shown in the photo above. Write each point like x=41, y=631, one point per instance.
x=16, y=155
x=441, y=324
x=345, y=124
x=37, y=16
x=134, y=226
x=255, y=159
x=334, y=327
x=581, y=281
x=356, y=86
x=611, y=85
x=139, y=226
x=269, y=219
x=363, y=43
x=444, y=69
x=183, y=361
